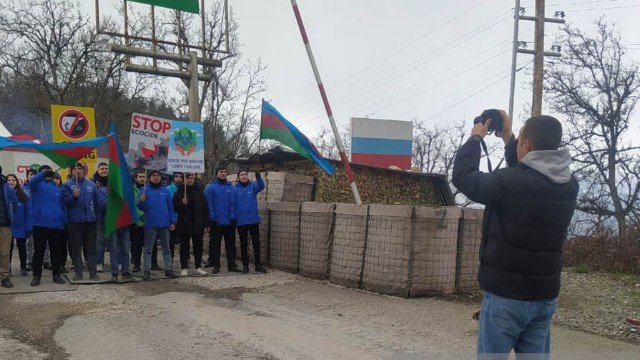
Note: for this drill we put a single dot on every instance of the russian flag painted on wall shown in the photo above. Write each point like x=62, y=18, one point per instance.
x=381, y=143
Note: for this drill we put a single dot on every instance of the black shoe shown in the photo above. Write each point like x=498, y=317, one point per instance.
x=156, y=267
x=47, y=266
x=77, y=276
x=114, y=277
x=208, y=264
x=136, y=269
x=147, y=275
x=94, y=277
x=58, y=279
x=245, y=270
x=261, y=269
x=171, y=274
x=215, y=270
x=24, y=272
x=234, y=269
x=29, y=267
x=6, y=283
x=127, y=276
x=64, y=270
x=35, y=281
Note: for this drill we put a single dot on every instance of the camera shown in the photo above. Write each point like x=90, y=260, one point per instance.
x=496, y=120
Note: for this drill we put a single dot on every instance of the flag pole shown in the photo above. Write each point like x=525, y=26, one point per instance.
x=325, y=100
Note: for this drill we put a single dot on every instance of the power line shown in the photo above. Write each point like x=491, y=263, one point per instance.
x=583, y=2
x=606, y=8
x=417, y=63
x=440, y=83
x=470, y=96
x=419, y=38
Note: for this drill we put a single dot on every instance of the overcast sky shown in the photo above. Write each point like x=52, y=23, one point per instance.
x=431, y=60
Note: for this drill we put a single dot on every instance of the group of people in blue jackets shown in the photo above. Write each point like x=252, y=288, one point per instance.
x=186, y=210
x=68, y=219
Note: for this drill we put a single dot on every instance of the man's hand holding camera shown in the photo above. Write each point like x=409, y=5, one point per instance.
x=501, y=125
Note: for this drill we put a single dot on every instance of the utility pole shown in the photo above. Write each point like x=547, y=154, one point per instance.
x=186, y=53
x=538, y=60
x=538, y=52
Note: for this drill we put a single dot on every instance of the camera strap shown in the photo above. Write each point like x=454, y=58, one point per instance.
x=486, y=152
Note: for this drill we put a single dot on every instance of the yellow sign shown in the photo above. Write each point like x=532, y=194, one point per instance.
x=74, y=123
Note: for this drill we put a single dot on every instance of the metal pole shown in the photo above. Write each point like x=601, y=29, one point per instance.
x=226, y=22
x=126, y=30
x=97, y=17
x=538, y=60
x=327, y=107
x=153, y=34
x=514, y=56
x=194, y=106
x=204, y=36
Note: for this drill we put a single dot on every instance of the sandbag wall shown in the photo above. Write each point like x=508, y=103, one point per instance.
x=392, y=249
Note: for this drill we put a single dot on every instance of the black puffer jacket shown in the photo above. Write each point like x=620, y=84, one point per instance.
x=193, y=217
x=529, y=206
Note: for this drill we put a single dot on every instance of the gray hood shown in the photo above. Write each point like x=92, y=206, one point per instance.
x=554, y=164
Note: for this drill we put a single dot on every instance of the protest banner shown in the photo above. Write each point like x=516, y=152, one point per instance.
x=186, y=147
x=148, y=142
x=71, y=124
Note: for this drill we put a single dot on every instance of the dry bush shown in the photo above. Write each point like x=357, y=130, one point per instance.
x=605, y=252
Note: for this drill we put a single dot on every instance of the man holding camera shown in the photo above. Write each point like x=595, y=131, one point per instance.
x=528, y=208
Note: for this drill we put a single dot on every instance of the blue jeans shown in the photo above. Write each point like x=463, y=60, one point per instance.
x=100, y=243
x=523, y=326
x=119, y=242
x=150, y=236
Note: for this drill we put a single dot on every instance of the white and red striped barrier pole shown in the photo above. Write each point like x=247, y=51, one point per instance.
x=327, y=107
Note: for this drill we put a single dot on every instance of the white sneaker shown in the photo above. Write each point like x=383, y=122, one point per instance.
x=100, y=267
x=200, y=271
x=184, y=273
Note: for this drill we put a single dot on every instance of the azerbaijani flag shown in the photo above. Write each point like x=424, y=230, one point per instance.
x=63, y=155
x=274, y=126
x=121, y=208
x=191, y=6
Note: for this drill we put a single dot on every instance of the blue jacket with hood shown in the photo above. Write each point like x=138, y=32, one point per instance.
x=47, y=208
x=247, y=206
x=87, y=207
x=221, y=198
x=158, y=208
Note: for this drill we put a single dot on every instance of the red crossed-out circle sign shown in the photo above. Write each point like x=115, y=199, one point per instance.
x=73, y=124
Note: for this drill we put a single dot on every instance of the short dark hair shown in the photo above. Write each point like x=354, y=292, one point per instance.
x=544, y=132
x=243, y=170
x=31, y=171
x=44, y=167
x=103, y=164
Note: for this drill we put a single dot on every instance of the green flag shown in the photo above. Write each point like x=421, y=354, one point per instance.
x=183, y=5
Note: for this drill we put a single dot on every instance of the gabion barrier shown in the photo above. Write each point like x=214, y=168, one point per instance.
x=469, y=239
x=347, y=252
x=316, y=229
x=388, y=249
x=392, y=249
x=284, y=235
x=434, y=250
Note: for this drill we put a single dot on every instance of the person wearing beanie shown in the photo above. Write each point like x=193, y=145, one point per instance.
x=221, y=199
x=84, y=203
x=101, y=179
x=249, y=217
x=157, y=205
x=31, y=172
x=48, y=219
x=178, y=181
x=193, y=218
x=137, y=229
x=8, y=201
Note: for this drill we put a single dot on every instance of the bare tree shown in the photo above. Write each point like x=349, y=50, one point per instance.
x=597, y=90
x=51, y=54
